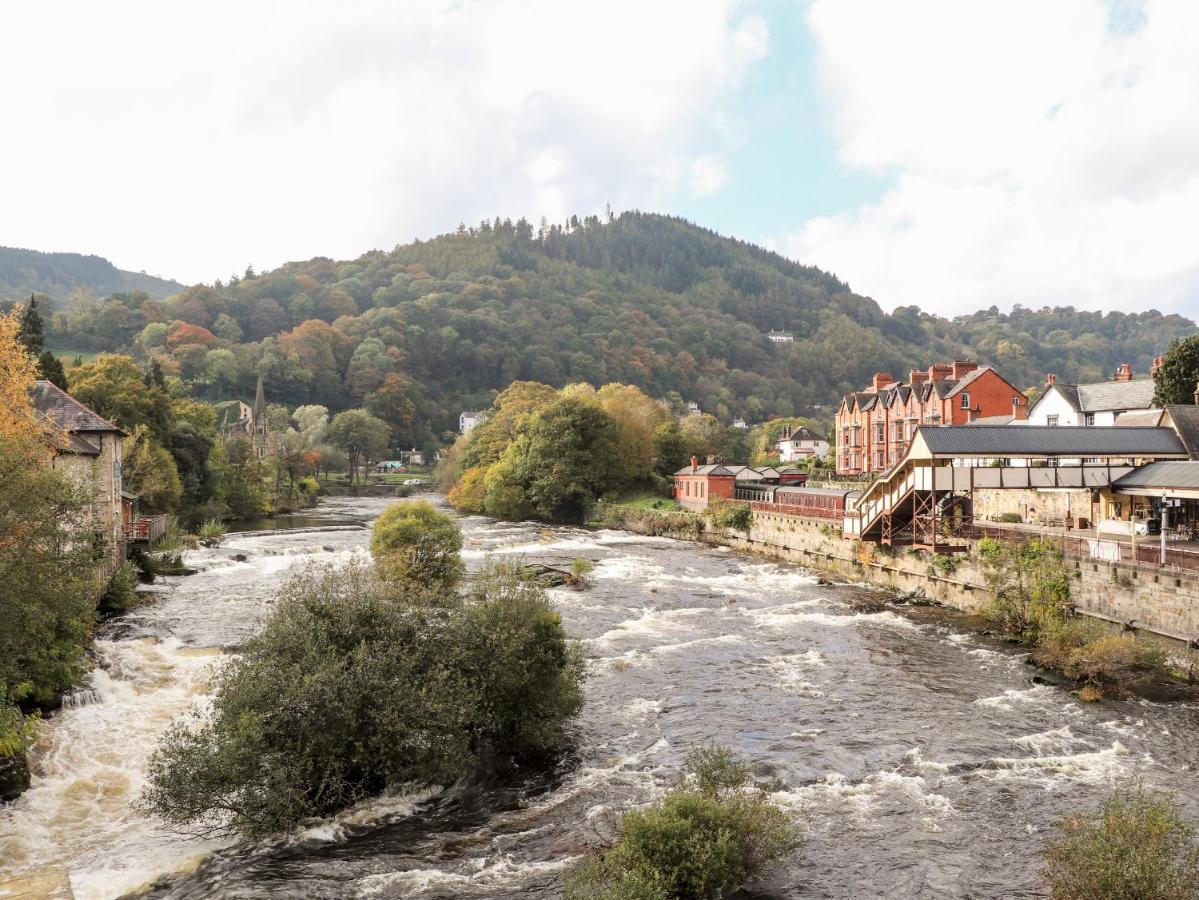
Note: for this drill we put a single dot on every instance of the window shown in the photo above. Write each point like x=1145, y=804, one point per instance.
x=1051, y=420
x=1089, y=419
x=965, y=400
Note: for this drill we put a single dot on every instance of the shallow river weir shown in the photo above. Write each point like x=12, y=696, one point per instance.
x=922, y=762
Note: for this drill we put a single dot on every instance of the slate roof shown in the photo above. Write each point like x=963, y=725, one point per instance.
x=1141, y=417
x=821, y=492
x=66, y=412
x=1183, y=474
x=968, y=379
x=1186, y=423
x=1121, y=395
x=1050, y=440
x=996, y=420
x=80, y=446
x=704, y=470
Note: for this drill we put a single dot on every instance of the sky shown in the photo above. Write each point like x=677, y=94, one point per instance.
x=944, y=154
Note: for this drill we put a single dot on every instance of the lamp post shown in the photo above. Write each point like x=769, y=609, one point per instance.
x=1162, y=561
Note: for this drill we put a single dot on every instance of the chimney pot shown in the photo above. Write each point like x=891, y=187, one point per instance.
x=881, y=380
x=694, y=463
x=1124, y=372
x=1050, y=379
x=917, y=376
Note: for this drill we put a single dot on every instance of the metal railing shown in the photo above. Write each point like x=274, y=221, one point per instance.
x=146, y=529
x=1148, y=554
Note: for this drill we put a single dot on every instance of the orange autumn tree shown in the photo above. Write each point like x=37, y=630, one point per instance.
x=48, y=576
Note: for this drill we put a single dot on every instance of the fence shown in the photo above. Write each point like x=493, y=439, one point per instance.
x=1148, y=552
x=146, y=529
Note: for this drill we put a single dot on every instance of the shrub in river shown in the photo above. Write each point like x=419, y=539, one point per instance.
x=211, y=533
x=580, y=572
x=416, y=543
x=704, y=839
x=357, y=685
x=1138, y=845
x=1102, y=659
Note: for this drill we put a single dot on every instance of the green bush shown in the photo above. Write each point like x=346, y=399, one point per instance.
x=121, y=592
x=1137, y=846
x=1089, y=652
x=1010, y=518
x=357, y=685
x=729, y=514
x=211, y=533
x=1029, y=585
x=710, y=833
x=414, y=542
x=580, y=572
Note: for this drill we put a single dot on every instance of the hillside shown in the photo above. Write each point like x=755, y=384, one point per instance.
x=25, y=272
x=643, y=299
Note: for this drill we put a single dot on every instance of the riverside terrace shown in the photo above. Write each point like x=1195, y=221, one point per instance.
x=930, y=498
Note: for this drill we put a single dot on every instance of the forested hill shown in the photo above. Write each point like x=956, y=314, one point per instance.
x=25, y=272
x=643, y=299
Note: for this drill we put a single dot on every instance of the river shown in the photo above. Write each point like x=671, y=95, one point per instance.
x=924, y=762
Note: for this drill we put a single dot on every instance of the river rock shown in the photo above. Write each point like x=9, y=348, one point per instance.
x=14, y=777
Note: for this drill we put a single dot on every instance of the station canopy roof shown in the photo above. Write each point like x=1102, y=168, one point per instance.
x=1046, y=442
x=1174, y=479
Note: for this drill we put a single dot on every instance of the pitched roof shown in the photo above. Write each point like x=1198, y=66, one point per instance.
x=968, y=379
x=80, y=446
x=1050, y=440
x=704, y=470
x=66, y=412
x=1186, y=423
x=1184, y=474
x=1119, y=395
x=1140, y=417
x=996, y=420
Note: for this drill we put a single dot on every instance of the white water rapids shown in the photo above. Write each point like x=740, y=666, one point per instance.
x=923, y=762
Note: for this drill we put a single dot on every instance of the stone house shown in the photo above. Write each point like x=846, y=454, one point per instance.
x=89, y=453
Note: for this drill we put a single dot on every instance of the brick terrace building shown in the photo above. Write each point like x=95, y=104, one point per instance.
x=874, y=425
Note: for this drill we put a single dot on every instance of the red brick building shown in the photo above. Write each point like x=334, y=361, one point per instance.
x=696, y=485
x=874, y=425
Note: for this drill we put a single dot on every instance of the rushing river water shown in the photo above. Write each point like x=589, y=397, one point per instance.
x=923, y=762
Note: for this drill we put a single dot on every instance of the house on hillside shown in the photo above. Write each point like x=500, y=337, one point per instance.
x=469, y=418
x=1099, y=403
x=781, y=337
x=875, y=425
x=89, y=454
x=794, y=444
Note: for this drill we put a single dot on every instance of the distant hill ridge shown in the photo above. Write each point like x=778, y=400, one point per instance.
x=25, y=272
x=644, y=299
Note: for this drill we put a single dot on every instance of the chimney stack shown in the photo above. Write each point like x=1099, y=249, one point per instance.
x=1050, y=379
x=917, y=376
x=1124, y=372
x=881, y=380
x=694, y=463
x=939, y=372
x=1157, y=364
x=961, y=367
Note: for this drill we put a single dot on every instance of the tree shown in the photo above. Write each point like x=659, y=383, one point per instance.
x=566, y=456
x=149, y=471
x=1137, y=845
x=356, y=685
x=362, y=436
x=116, y=389
x=670, y=449
x=48, y=580
x=32, y=332
x=414, y=542
x=394, y=402
x=1177, y=379
x=312, y=421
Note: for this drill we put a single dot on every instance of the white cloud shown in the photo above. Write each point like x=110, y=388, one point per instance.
x=1041, y=153
x=193, y=139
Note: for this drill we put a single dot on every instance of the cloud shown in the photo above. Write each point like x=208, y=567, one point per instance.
x=1040, y=153
x=194, y=139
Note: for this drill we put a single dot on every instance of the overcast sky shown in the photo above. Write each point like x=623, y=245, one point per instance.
x=952, y=154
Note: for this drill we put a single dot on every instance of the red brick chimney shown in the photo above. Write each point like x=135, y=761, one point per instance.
x=694, y=463
x=1020, y=407
x=1050, y=379
x=961, y=367
x=939, y=372
x=917, y=376
x=881, y=380
x=1123, y=373
x=1157, y=364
